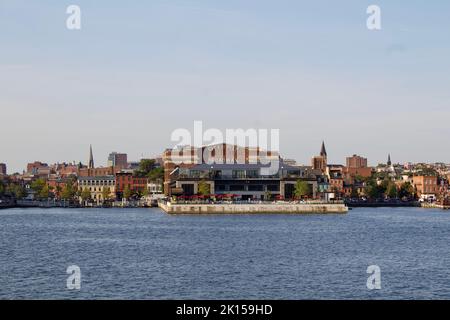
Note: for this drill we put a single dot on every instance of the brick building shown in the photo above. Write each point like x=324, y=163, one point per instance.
x=118, y=160
x=127, y=180
x=426, y=185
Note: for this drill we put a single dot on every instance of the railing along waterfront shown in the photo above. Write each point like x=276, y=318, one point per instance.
x=245, y=202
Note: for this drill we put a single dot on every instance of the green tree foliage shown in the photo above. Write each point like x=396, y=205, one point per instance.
x=145, y=166
x=68, y=192
x=126, y=193
x=44, y=193
x=406, y=190
x=2, y=188
x=374, y=190
x=58, y=191
x=106, y=193
x=391, y=190
x=37, y=185
x=16, y=191
x=204, y=188
x=156, y=175
x=85, y=195
x=302, y=189
x=354, y=193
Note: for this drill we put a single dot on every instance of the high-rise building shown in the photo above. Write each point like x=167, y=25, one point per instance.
x=117, y=160
x=2, y=169
x=356, y=166
x=356, y=162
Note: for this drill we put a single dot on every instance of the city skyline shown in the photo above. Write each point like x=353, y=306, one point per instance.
x=102, y=163
x=134, y=74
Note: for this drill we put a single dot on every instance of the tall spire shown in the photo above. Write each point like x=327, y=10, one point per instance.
x=91, y=158
x=323, y=151
x=389, y=162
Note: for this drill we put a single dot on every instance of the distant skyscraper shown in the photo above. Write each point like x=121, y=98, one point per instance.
x=117, y=160
x=91, y=158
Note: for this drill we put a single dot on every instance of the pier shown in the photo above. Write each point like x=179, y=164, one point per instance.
x=252, y=208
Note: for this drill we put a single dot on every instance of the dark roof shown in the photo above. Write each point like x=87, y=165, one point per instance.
x=230, y=166
x=97, y=178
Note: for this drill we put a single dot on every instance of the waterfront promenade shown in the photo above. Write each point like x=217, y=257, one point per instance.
x=251, y=208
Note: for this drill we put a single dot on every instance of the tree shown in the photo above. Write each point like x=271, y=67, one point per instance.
x=85, y=195
x=375, y=190
x=44, y=193
x=354, y=193
x=2, y=188
x=37, y=185
x=391, y=191
x=145, y=166
x=16, y=190
x=68, y=192
x=156, y=175
x=302, y=189
x=58, y=191
x=268, y=195
x=106, y=192
x=126, y=193
x=406, y=190
x=204, y=188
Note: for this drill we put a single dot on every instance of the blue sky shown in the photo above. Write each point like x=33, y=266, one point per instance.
x=136, y=71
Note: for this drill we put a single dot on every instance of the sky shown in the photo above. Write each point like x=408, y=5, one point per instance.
x=137, y=71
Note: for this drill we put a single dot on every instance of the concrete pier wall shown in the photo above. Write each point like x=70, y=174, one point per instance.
x=252, y=208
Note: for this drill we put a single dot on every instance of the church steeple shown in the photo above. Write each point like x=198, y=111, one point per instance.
x=91, y=158
x=323, y=151
x=389, y=162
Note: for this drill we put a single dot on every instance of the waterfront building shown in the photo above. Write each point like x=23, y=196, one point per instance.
x=426, y=185
x=2, y=169
x=118, y=160
x=154, y=188
x=244, y=181
x=136, y=185
x=188, y=156
x=97, y=186
x=335, y=173
x=248, y=178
